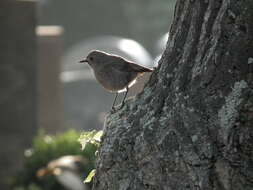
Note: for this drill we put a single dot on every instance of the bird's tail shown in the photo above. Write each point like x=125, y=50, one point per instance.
x=141, y=69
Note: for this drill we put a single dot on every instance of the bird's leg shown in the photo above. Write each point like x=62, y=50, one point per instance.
x=123, y=101
x=113, y=108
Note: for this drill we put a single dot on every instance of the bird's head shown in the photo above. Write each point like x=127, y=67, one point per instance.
x=95, y=57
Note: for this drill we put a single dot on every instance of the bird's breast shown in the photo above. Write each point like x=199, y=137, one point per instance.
x=114, y=80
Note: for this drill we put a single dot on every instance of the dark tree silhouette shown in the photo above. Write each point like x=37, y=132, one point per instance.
x=192, y=126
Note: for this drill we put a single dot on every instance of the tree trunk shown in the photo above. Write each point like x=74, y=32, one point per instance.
x=192, y=126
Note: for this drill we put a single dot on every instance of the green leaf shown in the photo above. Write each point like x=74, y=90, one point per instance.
x=92, y=137
x=90, y=176
x=98, y=135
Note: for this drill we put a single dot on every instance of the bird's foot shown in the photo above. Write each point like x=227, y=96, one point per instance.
x=113, y=109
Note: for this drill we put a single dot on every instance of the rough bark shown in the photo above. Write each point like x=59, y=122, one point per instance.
x=192, y=126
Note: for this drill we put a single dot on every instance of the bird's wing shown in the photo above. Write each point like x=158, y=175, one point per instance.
x=124, y=65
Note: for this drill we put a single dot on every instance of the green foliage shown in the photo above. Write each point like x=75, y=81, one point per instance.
x=47, y=148
x=86, y=138
x=93, y=137
x=90, y=176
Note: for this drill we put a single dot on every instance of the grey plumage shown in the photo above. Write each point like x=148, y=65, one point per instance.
x=113, y=72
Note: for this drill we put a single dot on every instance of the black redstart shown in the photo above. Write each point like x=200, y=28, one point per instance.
x=113, y=72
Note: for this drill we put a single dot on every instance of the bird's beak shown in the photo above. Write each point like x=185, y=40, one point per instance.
x=84, y=60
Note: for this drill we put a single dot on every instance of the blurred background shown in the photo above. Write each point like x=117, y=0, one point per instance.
x=43, y=86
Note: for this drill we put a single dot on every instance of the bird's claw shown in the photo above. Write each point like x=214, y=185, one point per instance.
x=113, y=109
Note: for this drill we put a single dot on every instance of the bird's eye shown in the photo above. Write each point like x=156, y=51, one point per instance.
x=91, y=58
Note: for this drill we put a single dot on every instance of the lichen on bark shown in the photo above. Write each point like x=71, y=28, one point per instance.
x=191, y=127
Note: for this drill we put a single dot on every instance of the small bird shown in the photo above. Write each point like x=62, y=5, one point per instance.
x=113, y=72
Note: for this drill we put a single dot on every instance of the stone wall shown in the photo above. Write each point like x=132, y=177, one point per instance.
x=18, y=71
x=50, y=88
